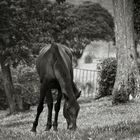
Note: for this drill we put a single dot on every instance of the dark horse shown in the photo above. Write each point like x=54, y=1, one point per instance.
x=54, y=66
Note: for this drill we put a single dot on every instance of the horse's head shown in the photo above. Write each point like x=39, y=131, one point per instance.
x=71, y=110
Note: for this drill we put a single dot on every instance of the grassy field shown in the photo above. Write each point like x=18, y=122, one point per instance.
x=96, y=120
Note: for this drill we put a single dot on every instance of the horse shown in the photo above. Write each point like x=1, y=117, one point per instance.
x=54, y=67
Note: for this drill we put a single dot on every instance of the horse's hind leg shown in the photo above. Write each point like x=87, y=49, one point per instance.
x=40, y=106
x=49, y=100
x=57, y=108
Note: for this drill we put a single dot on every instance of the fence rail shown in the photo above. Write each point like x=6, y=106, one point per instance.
x=86, y=81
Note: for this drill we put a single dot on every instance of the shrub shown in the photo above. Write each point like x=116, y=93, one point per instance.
x=28, y=80
x=107, y=72
x=26, y=83
x=3, y=100
x=88, y=59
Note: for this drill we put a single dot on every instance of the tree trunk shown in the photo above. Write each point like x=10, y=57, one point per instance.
x=126, y=82
x=14, y=100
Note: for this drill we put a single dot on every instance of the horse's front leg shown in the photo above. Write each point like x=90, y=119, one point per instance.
x=49, y=100
x=40, y=106
x=57, y=108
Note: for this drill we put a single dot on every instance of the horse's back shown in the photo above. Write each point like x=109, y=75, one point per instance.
x=48, y=56
x=44, y=63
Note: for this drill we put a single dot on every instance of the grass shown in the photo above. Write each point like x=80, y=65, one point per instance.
x=96, y=120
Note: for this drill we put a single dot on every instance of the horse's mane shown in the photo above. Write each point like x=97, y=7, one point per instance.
x=44, y=49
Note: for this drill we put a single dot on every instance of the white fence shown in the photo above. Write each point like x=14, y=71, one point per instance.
x=86, y=80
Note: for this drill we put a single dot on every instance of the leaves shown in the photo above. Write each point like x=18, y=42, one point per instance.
x=13, y=31
x=137, y=16
x=94, y=22
x=108, y=68
x=32, y=22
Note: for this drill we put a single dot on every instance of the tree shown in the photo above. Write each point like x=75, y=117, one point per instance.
x=14, y=40
x=23, y=23
x=126, y=82
x=51, y=22
x=93, y=22
x=74, y=26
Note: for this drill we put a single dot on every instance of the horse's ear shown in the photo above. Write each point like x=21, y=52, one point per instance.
x=79, y=94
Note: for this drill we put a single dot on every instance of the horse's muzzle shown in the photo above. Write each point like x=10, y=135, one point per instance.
x=72, y=126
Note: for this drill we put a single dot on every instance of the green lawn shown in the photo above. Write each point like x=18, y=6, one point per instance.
x=96, y=120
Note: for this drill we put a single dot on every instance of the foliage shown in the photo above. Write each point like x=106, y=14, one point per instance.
x=20, y=28
x=137, y=17
x=3, y=101
x=50, y=22
x=27, y=80
x=26, y=83
x=122, y=95
x=26, y=23
x=71, y=25
x=94, y=22
x=35, y=22
x=107, y=71
x=14, y=35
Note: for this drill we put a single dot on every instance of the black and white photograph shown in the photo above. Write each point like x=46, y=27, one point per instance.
x=69, y=69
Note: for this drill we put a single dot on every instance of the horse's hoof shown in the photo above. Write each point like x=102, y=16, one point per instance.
x=33, y=130
x=72, y=128
x=55, y=129
x=47, y=129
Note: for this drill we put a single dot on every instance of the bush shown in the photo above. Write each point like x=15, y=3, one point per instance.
x=107, y=73
x=28, y=80
x=3, y=100
x=88, y=59
x=26, y=83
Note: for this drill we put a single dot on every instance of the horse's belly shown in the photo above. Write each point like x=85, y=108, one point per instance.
x=53, y=84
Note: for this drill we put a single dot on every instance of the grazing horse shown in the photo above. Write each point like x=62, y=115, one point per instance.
x=54, y=66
